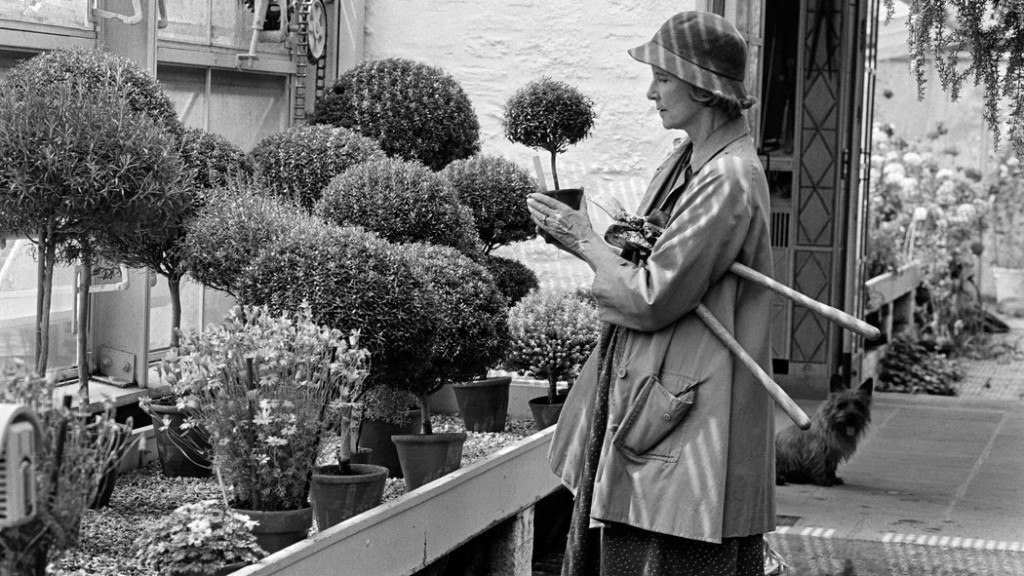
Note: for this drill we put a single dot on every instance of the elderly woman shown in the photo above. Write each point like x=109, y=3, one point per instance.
x=674, y=433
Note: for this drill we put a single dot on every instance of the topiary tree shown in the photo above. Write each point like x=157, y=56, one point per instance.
x=472, y=329
x=230, y=230
x=550, y=115
x=298, y=163
x=350, y=278
x=991, y=32
x=402, y=201
x=212, y=161
x=495, y=190
x=415, y=111
x=513, y=278
x=80, y=166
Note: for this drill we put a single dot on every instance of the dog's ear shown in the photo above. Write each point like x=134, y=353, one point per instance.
x=866, y=388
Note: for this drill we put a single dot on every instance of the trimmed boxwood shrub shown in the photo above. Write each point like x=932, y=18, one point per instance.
x=299, y=162
x=94, y=69
x=351, y=279
x=472, y=326
x=513, y=278
x=495, y=190
x=402, y=201
x=228, y=233
x=416, y=111
x=214, y=160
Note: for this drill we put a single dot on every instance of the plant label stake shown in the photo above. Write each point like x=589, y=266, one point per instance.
x=539, y=168
x=19, y=436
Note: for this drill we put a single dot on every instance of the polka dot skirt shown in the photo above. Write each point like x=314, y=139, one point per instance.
x=629, y=551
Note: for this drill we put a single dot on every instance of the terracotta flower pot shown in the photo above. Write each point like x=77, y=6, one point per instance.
x=544, y=413
x=427, y=457
x=280, y=528
x=376, y=435
x=337, y=497
x=483, y=403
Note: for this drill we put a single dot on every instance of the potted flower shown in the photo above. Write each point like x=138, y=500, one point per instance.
x=198, y=539
x=550, y=115
x=552, y=334
x=263, y=385
x=1007, y=210
x=471, y=334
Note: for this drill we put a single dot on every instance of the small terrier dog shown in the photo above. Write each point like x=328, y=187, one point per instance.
x=813, y=456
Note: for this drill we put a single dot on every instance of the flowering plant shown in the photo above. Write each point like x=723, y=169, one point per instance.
x=552, y=333
x=1007, y=196
x=266, y=388
x=197, y=539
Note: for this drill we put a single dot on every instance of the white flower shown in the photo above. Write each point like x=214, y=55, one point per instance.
x=943, y=174
x=912, y=159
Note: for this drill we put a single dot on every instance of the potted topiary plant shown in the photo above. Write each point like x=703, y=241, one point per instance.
x=387, y=411
x=550, y=115
x=552, y=335
x=263, y=386
x=471, y=334
x=297, y=164
x=403, y=202
x=415, y=111
x=201, y=539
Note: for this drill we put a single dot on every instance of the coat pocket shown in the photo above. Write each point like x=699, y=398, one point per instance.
x=654, y=414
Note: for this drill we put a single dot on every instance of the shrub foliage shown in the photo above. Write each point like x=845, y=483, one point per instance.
x=495, y=190
x=513, y=278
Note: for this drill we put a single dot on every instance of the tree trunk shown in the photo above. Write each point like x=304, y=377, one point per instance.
x=345, y=449
x=84, y=283
x=174, y=287
x=47, y=257
x=426, y=428
x=554, y=172
x=552, y=389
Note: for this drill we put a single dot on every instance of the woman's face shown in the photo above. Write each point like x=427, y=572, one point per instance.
x=672, y=98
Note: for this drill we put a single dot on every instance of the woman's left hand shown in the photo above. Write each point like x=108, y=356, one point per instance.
x=567, y=226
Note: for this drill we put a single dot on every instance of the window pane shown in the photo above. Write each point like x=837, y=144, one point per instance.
x=160, y=311
x=18, y=307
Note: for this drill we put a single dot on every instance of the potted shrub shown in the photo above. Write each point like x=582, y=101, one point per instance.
x=403, y=202
x=513, y=278
x=198, y=539
x=550, y=115
x=387, y=411
x=298, y=163
x=76, y=112
x=415, y=111
x=263, y=385
x=471, y=334
x=74, y=454
x=552, y=334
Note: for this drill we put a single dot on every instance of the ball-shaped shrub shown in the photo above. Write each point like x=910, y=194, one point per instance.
x=213, y=159
x=552, y=334
x=89, y=69
x=228, y=232
x=299, y=162
x=513, y=278
x=495, y=190
x=351, y=279
x=548, y=115
x=416, y=111
x=472, y=327
x=402, y=201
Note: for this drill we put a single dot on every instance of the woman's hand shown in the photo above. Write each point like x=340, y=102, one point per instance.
x=570, y=228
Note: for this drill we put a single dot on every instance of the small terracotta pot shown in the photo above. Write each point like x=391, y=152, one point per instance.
x=483, y=403
x=336, y=497
x=544, y=413
x=280, y=528
x=376, y=435
x=427, y=457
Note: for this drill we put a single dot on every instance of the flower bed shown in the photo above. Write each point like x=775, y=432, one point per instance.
x=143, y=496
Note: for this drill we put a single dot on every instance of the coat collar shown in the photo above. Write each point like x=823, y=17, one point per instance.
x=663, y=173
x=724, y=135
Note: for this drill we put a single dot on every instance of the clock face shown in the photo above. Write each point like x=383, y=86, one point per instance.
x=317, y=30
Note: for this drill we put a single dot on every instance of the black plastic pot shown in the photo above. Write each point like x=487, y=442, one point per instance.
x=544, y=413
x=337, y=497
x=569, y=196
x=281, y=528
x=483, y=403
x=376, y=435
x=427, y=457
x=182, y=453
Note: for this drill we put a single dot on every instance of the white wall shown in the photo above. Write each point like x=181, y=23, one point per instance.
x=494, y=48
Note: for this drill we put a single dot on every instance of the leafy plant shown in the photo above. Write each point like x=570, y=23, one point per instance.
x=910, y=367
x=265, y=387
x=991, y=33
x=197, y=539
x=81, y=168
x=472, y=330
x=1007, y=214
x=552, y=333
x=402, y=201
x=350, y=277
x=231, y=229
x=298, y=163
x=549, y=115
x=495, y=190
x=513, y=278
x=75, y=453
x=415, y=111
x=212, y=161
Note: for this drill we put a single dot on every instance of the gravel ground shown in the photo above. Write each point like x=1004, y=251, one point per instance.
x=141, y=497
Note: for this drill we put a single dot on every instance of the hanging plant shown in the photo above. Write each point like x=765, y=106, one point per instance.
x=991, y=34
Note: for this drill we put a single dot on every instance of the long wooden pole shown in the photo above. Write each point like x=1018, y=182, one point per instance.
x=798, y=416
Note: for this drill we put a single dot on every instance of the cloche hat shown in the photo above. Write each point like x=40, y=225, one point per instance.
x=703, y=49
